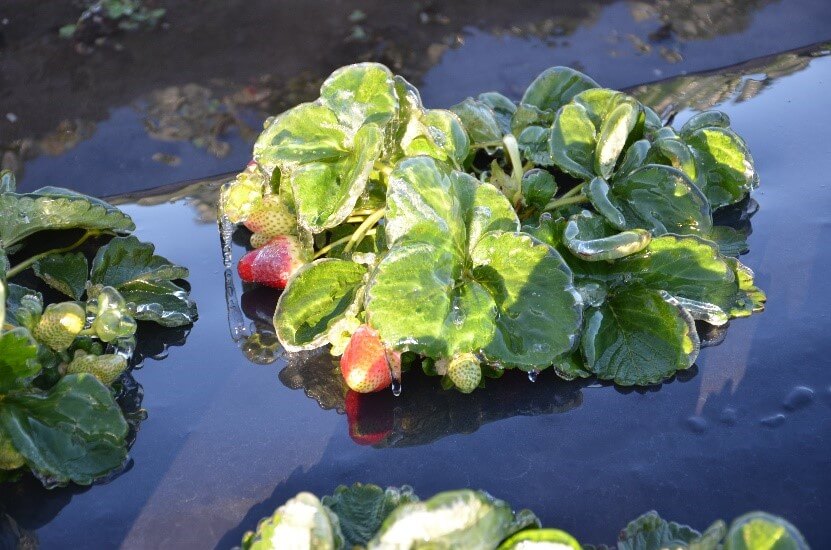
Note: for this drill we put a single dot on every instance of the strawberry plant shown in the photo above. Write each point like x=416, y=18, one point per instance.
x=59, y=361
x=365, y=516
x=571, y=231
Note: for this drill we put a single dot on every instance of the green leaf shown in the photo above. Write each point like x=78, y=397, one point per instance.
x=7, y=182
x=555, y=87
x=22, y=304
x=307, y=133
x=638, y=337
x=539, y=310
x=573, y=141
x=599, y=194
x=538, y=188
x=18, y=359
x=325, y=193
x=66, y=273
x=634, y=158
x=662, y=200
x=479, y=121
x=730, y=241
x=362, y=508
x=454, y=519
x=73, y=432
x=761, y=531
x=591, y=238
x=705, y=119
x=672, y=152
x=22, y=215
x=360, y=94
x=126, y=260
x=533, y=143
x=162, y=302
x=725, y=167
x=302, y=522
x=317, y=296
x=529, y=115
x=650, y=532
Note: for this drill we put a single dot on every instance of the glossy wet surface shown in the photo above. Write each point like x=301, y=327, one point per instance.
x=228, y=440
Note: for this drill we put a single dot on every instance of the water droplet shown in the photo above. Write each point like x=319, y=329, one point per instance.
x=773, y=421
x=696, y=424
x=797, y=398
x=396, y=387
x=729, y=416
x=532, y=375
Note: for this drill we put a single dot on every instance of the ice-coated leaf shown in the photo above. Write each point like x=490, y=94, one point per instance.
x=301, y=523
x=18, y=364
x=591, y=238
x=662, y=200
x=725, y=167
x=363, y=507
x=503, y=108
x=529, y=115
x=550, y=539
x=318, y=295
x=650, y=532
x=761, y=531
x=598, y=192
x=145, y=279
x=22, y=215
x=66, y=273
x=443, y=317
x=555, y=87
x=18, y=297
x=706, y=119
x=690, y=269
x=672, y=152
x=126, y=259
x=533, y=143
x=634, y=158
x=454, y=519
x=539, y=310
x=479, y=120
x=730, y=241
x=7, y=182
x=162, y=302
x=613, y=135
x=637, y=337
x=307, y=133
x=74, y=432
x=325, y=193
x=573, y=141
x=538, y=188
x=360, y=94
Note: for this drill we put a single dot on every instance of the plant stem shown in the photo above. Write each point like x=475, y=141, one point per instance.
x=573, y=191
x=333, y=244
x=486, y=144
x=22, y=266
x=361, y=232
x=562, y=201
x=516, y=165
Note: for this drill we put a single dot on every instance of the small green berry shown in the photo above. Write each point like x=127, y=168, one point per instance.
x=106, y=368
x=465, y=373
x=60, y=324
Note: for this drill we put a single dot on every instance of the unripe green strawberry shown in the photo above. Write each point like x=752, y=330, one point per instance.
x=465, y=373
x=60, y=324
x=10, y=458
x=106, y=368
x=244, y=193
x=271, y=218
x=259, y=240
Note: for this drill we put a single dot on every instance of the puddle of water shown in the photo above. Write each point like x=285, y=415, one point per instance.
x=226, y=441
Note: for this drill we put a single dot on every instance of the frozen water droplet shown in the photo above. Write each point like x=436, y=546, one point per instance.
x=697, y=424
x=773, y=421
x=236, y=322
x=729, y=416
x=395, y=373
x=797, y=398
x=396, y=387
x=532, y=375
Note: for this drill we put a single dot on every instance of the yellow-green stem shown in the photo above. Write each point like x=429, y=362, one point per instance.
x=564, y=201
x=22, y=266
x=362, y=229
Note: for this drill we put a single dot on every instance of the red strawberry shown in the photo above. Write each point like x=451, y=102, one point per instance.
x=274, y=263
x=370, y=417
x=366, y=362
x=271, y=218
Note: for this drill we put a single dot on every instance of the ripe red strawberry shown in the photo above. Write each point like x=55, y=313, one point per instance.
x=271, y=218
x=370, y=417
x=366, y=362
x=274, y=263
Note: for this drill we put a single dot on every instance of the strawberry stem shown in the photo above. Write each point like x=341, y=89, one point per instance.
x=24, y=265
x=362, y=230
x=333, y=244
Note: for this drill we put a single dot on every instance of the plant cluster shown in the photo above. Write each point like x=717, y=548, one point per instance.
x=367, y=516
x=102, y=18
x=61, y=360
x=572, y=230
